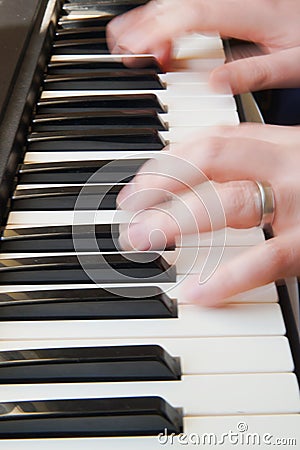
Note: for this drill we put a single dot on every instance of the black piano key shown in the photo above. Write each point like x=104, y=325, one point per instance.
x=87, y=304
x=88, y=364
x=80, y=172
x=61, y=239
x=63, y=243
x=116, y=64
x=84, y=230
x=105, y=80
x=103, y=7
x=66, y=22
x=98, y=120
x=102, y=237
x=109, y=140
x=88, y=417
x=86, y=32
x=80, y=46
x=100, y=268
x=92, y=197
x=97, y=103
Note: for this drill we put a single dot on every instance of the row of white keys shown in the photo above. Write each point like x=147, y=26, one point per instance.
x=261, y=432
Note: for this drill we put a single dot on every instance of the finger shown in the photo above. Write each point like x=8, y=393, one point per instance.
x=280, y=135
x=276, y=70
x=207, y=207
x=220, y=159
x=270, y=261
x=150, y=26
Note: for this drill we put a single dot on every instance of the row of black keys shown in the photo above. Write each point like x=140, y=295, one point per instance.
x=88, y=417
x=109, y=122
x=88, y=35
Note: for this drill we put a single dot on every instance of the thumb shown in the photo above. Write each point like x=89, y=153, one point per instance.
x=275, y=70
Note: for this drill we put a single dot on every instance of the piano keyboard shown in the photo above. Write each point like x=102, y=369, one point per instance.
x=112, y=365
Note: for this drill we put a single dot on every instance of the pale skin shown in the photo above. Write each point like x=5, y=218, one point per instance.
x=271, y=153
x=272, y=24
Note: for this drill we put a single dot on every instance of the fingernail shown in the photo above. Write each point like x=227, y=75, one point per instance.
x=134, y=238
x=193, y=292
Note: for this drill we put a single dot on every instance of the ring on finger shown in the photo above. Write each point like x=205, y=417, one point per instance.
x=267, y=205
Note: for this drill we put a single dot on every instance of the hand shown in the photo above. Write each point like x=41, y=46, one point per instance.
x=273, y=25
x=232, y=158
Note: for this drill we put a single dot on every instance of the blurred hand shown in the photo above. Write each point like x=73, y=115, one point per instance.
x=221, y=170
x=272, y=24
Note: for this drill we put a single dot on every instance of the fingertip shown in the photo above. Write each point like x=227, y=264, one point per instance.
x=123, y=195
x=194, y=292
x=134, y=237
x=163, y=54
x=220, y=81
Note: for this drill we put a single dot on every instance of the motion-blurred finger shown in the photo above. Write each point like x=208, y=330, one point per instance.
x=207, y=207
x=217, y=158
x=275, y=70
x=272, y=260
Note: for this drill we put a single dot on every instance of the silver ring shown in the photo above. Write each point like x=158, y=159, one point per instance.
x=267, y=204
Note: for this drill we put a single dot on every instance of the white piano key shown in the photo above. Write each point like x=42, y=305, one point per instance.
x=173, y=95
x=200, y=118
x=265, y=430
x=231, y=237
x=198, y=394
x=197, y=64
x=37, y=157
x=39, y=218
x=99, y=58
x=193, y=321
x=189, y=53
x=179, y=103
x=184, y=77
x=178, y=65
x=197, y=355
x=262, y=294
x=198, y=46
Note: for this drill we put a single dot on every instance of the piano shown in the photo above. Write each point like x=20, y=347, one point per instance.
x=119, y=363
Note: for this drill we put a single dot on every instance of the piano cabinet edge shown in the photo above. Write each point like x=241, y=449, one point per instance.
x=25, y=91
